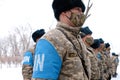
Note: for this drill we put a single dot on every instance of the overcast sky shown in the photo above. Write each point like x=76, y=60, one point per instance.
x=104, y=19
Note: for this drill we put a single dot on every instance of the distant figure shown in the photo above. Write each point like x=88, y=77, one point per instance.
x=102, y=60
x=28, y=61
x=108, y=60
x=115, y=62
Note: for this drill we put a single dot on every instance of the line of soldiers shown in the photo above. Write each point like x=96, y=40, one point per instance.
x=68, y=52
x=103, y=66
x=101, y=58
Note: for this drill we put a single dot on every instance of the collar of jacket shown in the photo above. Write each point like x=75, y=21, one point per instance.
x=73, y=30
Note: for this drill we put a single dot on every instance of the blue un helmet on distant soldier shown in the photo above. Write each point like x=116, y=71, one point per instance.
x=28, y=60
x=60, y=53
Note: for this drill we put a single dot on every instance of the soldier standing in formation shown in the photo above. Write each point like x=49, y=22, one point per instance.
x=88, y=41
x=69, y=52
x=60, y=53
x=28, y=60
x=108, y=60
x=115, y=62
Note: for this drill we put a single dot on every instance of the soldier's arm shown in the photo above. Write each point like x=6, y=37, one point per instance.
x=27, y=71
x=47, y=62
x=27, y=66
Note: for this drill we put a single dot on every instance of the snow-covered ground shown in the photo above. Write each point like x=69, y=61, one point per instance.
x=14, y=73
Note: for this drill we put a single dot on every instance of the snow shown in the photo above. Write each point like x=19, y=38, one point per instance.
x=14, y=73
x=11, y=73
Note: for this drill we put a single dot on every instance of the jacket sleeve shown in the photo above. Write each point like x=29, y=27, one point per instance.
x=47, y=62
x=27, y=65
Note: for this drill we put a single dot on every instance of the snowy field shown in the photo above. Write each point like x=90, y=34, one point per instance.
x=14, y=73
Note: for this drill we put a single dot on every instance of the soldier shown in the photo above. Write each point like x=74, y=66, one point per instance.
x=96, y=46
x=108, y=60
x=103, y=65
x=88, y=40
x=59, y=54
x=27, y=67
x=115, y=62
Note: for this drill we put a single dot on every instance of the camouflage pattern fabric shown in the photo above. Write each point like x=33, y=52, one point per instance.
x=95, y=72
x=104, y=66
x=114, y=65
x=27, y=70
x=100, y=65
x=65, y=39
x=108, y=65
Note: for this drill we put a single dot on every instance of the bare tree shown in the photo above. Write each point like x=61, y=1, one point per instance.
x=20, y=42
x=3, y=50
x=13, y=47
x=24, y=36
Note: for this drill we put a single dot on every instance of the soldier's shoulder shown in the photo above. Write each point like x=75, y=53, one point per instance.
x=54, y=35
x=31, y=49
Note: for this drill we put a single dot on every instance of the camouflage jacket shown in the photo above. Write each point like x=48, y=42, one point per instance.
x=95, y=72
x=104, y=62
x=72, y=51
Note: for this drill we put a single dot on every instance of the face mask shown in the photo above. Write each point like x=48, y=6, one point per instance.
x=89, y=40
x=77, y=20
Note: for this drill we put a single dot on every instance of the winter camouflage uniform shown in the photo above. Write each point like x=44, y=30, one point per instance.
x=107, y=73
x=115, y=62
x=108, y=61
x=72, y=51
x=100, y=65
x=27, y=70
x=104, y=66
x=106, y=69
x=95, y=72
